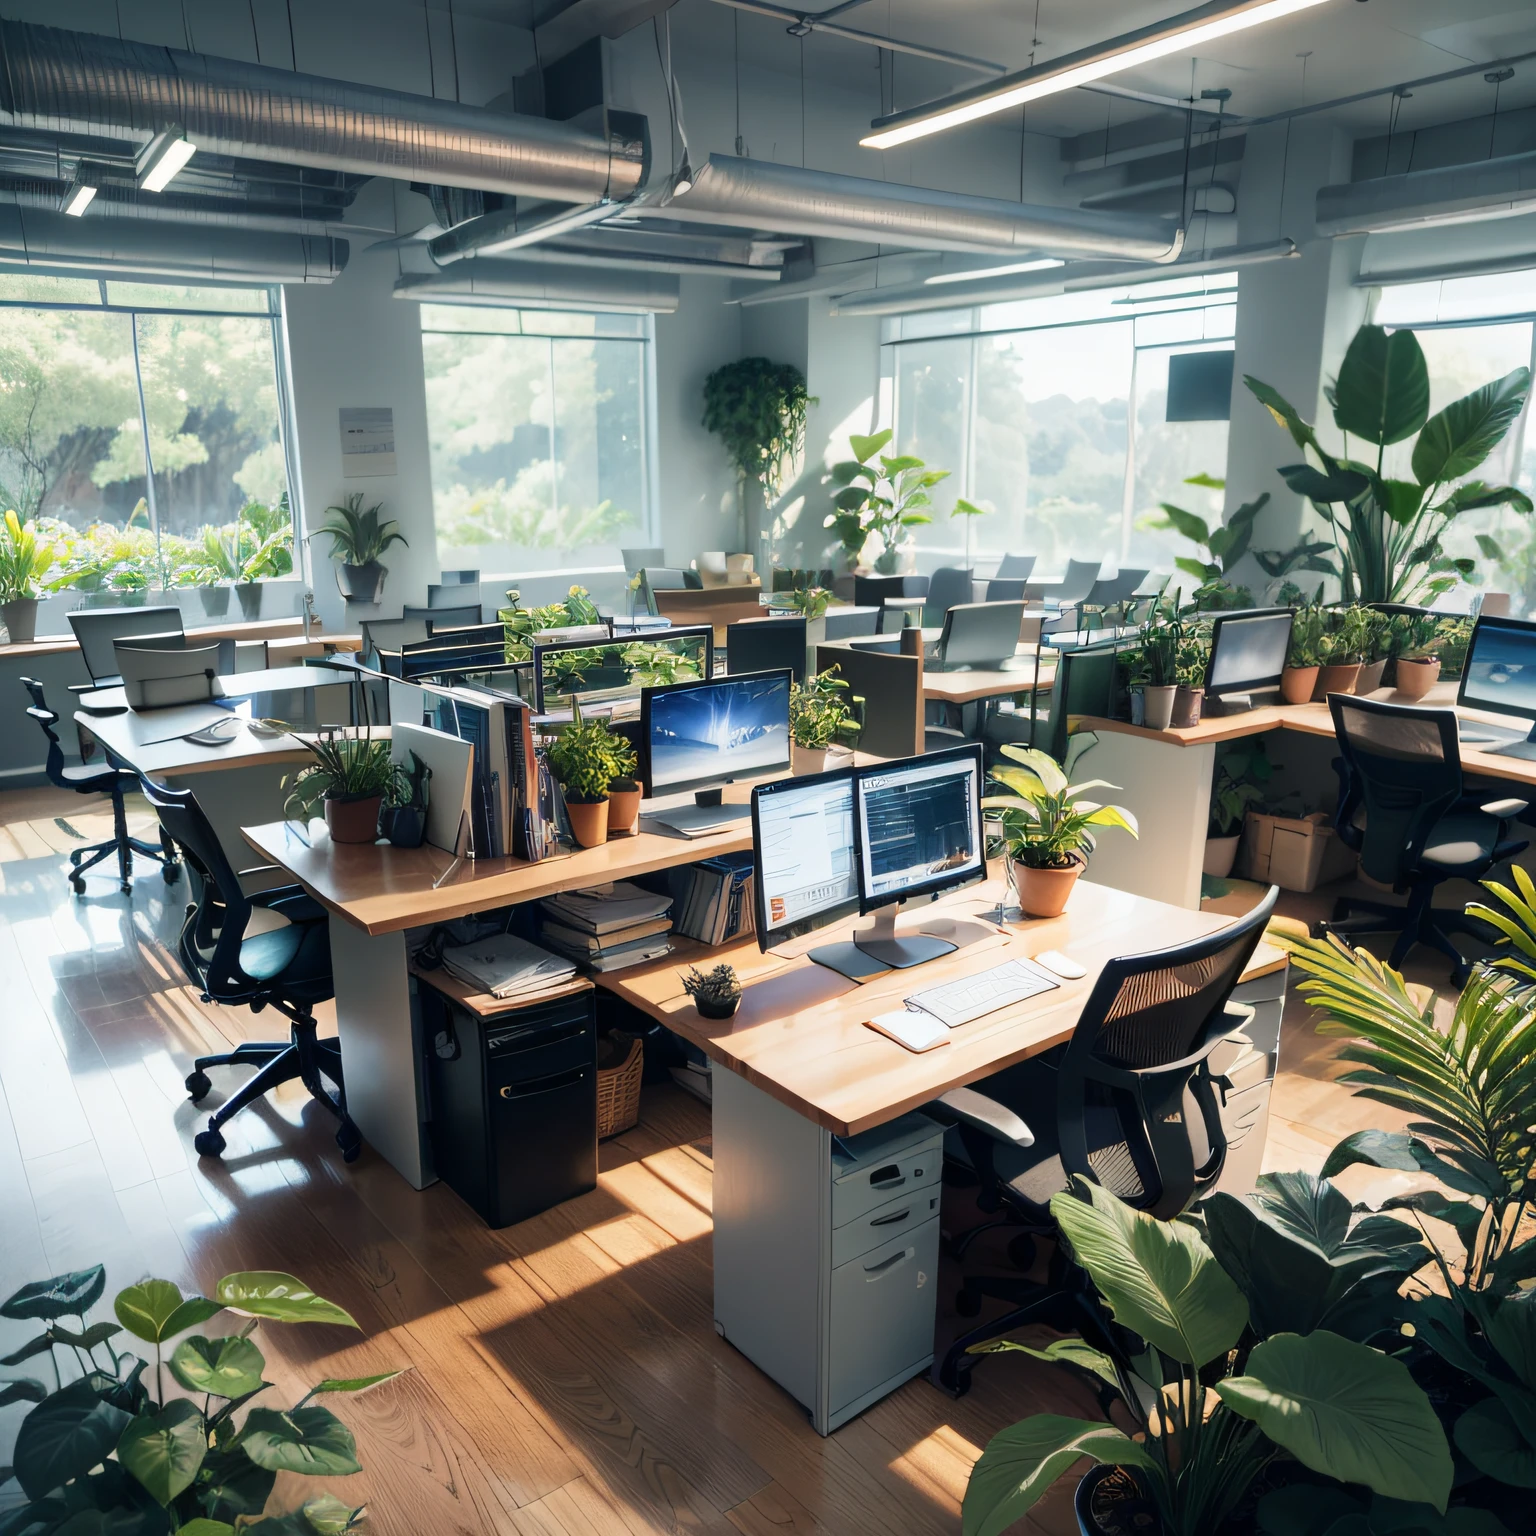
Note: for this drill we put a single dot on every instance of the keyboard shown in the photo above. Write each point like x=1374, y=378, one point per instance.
x=973, y=997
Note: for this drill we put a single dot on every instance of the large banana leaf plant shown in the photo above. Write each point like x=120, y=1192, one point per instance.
x=1388, y=534
x=1212, y=1407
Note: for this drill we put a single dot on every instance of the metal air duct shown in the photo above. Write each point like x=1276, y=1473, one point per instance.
x=790, y=199
x=1453, y=194
x=75, y=82
x=542, y=285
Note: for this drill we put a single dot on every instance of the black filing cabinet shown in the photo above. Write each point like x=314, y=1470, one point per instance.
x=513, y=1102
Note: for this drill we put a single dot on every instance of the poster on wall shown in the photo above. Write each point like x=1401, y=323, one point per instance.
x=367, y=441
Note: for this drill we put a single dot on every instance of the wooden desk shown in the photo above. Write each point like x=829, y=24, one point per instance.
x=719, y=606
x=283, y=636
x=966, y=687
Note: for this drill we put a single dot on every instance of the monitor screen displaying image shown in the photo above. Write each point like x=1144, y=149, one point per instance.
x=619, y=669
x=1248, y=650
x=1500, y=671
x=807, y=871
x=704, y=733
x=920, y=826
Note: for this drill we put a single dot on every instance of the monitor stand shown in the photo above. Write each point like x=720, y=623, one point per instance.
x=880, y=942
x=1523, y=747
x=1228, y=704
x=706, y=814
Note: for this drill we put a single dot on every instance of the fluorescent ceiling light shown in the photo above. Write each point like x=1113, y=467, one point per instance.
x=1038, y=265
x=80, y=194
x=162, y=158
x=1179, y=34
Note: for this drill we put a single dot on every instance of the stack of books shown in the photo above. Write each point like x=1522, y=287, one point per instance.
x=714, y=899
x=608, y=927
x=506, y=967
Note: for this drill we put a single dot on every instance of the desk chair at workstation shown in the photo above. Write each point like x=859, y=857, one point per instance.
x=1400, y=764
x=96, y=628
x=445, y=616
x=1128, y=1102
x=286, y=965
x=766, y=645
x=980, y=635
x=1075, y=584
x=1084, y=685
x=892, y=689
x=947, y=587
x=105, y=779
x=1015, y=567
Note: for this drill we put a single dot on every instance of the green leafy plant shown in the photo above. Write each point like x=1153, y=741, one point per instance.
x=346, y=767
x=886, y=499
x=626, y=764
x=1221, y=548
x=822, y=712
x=812, y=602
x=758, y=408
x=113, y=1448
x=25, y=558
x=586, y=758
x=1347, y=636
x=718, y=985
x=1308, y=630
x=1388, y=534
x=1043, y=823
x=1242, y=770
x=1210, y=1411
x=523, y=624
x=1160, y=637
x=1516, y=954
x=358, y=536
x=654, y=665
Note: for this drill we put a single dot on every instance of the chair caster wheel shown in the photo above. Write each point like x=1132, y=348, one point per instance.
x=350, y=1140
x=209, y=1143
x=126, y=887
x=1021, y=1251
x=170, y=873
x=198, y=1086
x=968, y=1303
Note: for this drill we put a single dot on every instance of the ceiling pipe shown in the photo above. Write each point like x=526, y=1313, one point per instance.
x=115, y=202
x=75, y=82
x=796, y=201
x=1452, y=194
x=494, y=234
x=542, y=285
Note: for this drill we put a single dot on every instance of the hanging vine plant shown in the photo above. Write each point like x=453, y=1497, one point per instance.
x=757, y=408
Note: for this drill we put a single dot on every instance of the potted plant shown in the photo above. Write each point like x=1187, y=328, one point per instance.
x=219, y=568
x=1160, y=652
x=1417, y=674
x=1240, y=770
x=1193, y=659
x=820, y=714
x=1342, y=650
x=624, y=790
x=1134, y=672
x=1210, y=1405
x=24, y=558
x=586, y=759
x=1378, y=651
x=350, y=780
x=264, y=543
x=163, y=1433
x=1298, y=680
x=716, y=993
x=1046, y=829
x=358, y=538
x=886, y=499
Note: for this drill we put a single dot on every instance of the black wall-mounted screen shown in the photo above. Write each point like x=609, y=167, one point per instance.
x=1200, y=386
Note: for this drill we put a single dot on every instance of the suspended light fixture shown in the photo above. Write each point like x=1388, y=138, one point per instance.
x=81, y=191
x=162, y=158
x=1178, y=34
x=1040, y=264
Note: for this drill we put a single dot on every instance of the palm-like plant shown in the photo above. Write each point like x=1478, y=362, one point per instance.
x=1388, y=533
x=24, y=559
x=1517, y=949
x=1044, y=824
x=359, y=537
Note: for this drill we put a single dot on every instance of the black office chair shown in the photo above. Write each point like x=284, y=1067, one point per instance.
x=765, y=645
x=102, y=779
x=287, y=968
x=947, y=587
x=1086, y=678
x=1400, y=764
x=1128, y=1102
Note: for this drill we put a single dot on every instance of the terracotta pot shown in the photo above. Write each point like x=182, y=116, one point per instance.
x=353, y=821
x=1186, y=707
x=1044, y=892
x=623, y=808
x=804, y=760
x=1341, y=677
x=1416, y=677
x=20, y=616
x=215, y=601
x=1298, y=683
x=1220, y=855
x=1371, y=673
x=589, y=823
x=1157, y=706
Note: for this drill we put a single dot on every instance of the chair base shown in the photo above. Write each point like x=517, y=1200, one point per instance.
x=1415, y=922
x=304, y=1056
x=124, y=846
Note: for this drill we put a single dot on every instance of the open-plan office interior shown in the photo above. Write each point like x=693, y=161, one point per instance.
x=767, y=770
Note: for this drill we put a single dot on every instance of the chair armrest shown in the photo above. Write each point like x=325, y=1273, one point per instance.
x=1504, y=809
x=987, y=1115
x=257, y=869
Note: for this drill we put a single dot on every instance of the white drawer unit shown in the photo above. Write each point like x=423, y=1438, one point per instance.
x=826, y=1249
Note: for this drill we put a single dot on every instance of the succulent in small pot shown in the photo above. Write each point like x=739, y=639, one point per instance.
x=587, y=757
x=1045, y=828
x=24, y=560
x=349, y=781
x=820, y=713
x=716, y=993
x=358, y=538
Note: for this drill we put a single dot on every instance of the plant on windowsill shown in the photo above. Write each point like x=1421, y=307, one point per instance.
x=24, y=560
x=1045, y=829
x=820, y=713
x=350, y=781
x=586, y=759
x=716, y=993
x=358, y=539
x=1242, y=769
x=115, y=1446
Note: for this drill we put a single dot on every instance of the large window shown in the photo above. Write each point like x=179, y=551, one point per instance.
x=94, y=376
x=1052, y=415
x=539, y=426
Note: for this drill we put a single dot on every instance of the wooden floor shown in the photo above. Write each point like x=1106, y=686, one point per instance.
x=567, y=1379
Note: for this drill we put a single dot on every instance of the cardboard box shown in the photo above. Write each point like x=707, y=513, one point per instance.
x=1295, y=853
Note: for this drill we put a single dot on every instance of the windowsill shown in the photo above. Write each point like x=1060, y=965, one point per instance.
x=252, y=629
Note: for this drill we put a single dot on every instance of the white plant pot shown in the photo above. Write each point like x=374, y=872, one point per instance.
x=806, y=760
x=1220, y=855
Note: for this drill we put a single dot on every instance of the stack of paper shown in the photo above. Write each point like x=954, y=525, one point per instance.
x=507, y=967
x=608, y=927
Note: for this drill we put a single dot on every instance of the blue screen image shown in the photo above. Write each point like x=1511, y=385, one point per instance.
x=1502, y=671
x=731, y=729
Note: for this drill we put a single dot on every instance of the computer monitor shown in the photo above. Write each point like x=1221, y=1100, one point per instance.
x=763, y=645
x=918, y=830
x=1500, y=674
x=613, y=670
x=700, y=735
x=1248, y=651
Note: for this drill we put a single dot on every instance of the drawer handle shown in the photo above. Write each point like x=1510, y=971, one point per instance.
x=534, y=1087
x=889, y=1177
x=885, y=1266
x=891, y=1220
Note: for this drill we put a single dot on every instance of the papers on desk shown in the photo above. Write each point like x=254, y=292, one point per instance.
x=506, y=966
x=602, y=908
x=609, y=927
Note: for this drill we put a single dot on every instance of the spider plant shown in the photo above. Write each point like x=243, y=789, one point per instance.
x=346, y=768
x=359, y=537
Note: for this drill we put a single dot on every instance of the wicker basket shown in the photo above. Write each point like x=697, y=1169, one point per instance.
x=618, y=1085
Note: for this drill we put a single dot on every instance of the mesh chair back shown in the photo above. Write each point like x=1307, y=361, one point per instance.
x=1402, y=765
x=47, y=719
x=1019, y=567
x=947, y=587
x=96, y=628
